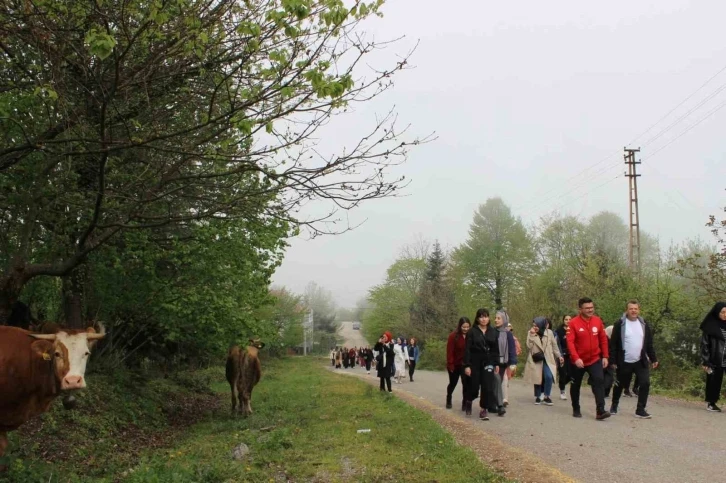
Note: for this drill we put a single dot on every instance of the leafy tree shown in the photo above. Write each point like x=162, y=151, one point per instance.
x=129, y=116
x=498, y=253
x=393, y=301
x=434, y=311
x=285, y=314
x=323, y=306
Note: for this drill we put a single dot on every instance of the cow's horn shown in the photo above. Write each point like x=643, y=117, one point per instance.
x=43, y=336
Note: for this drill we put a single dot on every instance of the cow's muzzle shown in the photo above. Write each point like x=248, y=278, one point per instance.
x=73, y=382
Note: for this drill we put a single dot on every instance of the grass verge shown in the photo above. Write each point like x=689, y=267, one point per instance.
x=304, y=428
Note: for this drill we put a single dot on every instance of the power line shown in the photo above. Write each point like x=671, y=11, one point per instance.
x=569, y=202
x=709, y=114
x=684, y=116
x=545, y=204
x=536, y=199
x=679, y=105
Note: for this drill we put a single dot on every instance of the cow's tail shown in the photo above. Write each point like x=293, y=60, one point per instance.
x=231, y=369
x=258, y=370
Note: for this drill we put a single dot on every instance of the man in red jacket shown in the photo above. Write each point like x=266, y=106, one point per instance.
x=587, y=343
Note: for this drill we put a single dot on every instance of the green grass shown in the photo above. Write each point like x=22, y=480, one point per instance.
x=304, y=428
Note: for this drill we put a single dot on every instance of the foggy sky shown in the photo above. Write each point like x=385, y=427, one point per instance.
x=523, y=97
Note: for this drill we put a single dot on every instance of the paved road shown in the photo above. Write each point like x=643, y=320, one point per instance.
x=682, y=443
x=351, y=337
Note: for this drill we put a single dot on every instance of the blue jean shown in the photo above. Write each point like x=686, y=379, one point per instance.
x=548, y=380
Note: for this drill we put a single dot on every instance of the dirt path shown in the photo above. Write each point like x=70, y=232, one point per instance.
x=682, y=443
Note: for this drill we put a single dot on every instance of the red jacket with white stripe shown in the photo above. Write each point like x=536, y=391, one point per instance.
x=587, y=340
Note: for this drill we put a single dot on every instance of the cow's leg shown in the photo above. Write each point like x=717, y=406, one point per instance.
x=3, y=447
x=234, y=397
x=240, y=395
x=248, y=405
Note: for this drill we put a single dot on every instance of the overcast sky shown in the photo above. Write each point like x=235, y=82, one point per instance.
x=523, y=97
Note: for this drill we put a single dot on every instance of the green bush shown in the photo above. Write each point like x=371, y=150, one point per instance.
x=433, y=356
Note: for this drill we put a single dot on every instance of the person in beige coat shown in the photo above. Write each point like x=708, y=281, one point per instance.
x=543, y=355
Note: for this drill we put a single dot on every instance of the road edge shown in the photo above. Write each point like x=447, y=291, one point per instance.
x=510, y=461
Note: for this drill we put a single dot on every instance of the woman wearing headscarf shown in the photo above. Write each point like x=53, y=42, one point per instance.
x=481, y=363
x=564, y=369
x=351, y=356
x=713, y=353
x=541, y=360
x=399, y=360
x=384, y=360
x=413, y=355
x=338, y=358
x=507, y=356
x=455, y=347
x=368, y=358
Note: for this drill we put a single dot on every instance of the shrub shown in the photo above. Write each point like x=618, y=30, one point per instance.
x=433, y=356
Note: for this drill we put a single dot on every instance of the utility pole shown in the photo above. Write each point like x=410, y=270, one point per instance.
x=634, y=258
x=312, y=331
x=308, y=324
x=305, y=337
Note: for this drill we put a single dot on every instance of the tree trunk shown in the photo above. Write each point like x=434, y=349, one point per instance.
x=498, y=293
x=73, y=286
x=10, y=287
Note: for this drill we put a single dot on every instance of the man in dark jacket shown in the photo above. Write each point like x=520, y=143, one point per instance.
x=632, y=353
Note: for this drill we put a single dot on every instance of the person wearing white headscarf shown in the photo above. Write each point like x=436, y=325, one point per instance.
x=400, y=357
x=507, y=356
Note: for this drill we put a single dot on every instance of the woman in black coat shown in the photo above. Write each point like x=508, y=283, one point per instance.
x=481, y=363
x=384, y=360
x=368, y=358
x=713, y=353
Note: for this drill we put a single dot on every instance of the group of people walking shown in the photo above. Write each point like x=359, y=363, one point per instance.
x=391, y=358
x=343, y=357
x=483, y=356
x=394, y=358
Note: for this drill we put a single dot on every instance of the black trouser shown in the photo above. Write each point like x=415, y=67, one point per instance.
x=596, y=377
x=483, y=378
x=713, y=384
x=387, y=383
x=565, y=372
x=608, y=376
x=411, y=368
x=454, y=376
x=368, y=365
x=624, y=373
x=636, y=384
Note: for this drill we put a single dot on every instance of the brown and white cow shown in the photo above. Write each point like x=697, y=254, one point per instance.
x=243, y=373
x=35, y=369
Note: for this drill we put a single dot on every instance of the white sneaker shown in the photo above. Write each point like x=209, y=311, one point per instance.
x=562, y=396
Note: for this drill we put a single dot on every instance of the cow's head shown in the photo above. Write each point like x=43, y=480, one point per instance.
x=257, y=343
x=69, y=350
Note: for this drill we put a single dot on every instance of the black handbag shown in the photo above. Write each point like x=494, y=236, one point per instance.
x=538, y=356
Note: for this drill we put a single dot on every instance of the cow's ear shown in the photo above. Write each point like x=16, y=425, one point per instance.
x=43, y=349
x=260, y=345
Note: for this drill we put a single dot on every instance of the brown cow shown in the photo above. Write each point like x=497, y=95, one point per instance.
x=35, y=369
x=243, y=373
